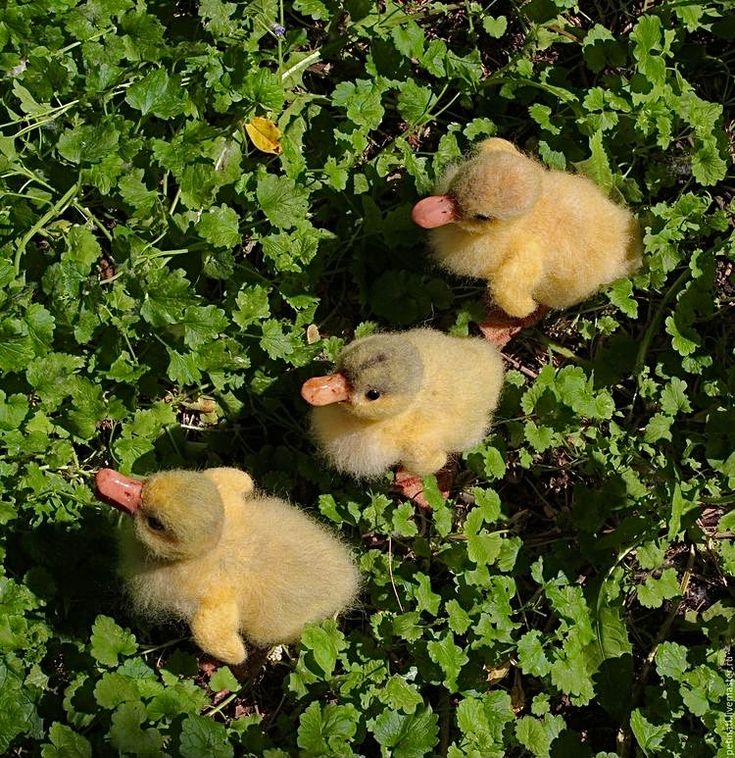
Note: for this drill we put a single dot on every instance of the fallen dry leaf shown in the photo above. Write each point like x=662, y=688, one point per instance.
x=517, y=695
x=264, y=134
x=497, y=673
x=312, y=334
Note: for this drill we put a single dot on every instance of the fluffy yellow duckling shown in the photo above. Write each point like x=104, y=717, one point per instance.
x=539, y=237
x=410, y=398
x=205, y=548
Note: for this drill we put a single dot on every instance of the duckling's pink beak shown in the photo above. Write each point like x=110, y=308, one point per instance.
x=325, y=390
x=119, y=490
x=434, y=211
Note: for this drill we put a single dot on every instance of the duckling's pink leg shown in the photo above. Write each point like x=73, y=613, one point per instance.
x=215, y=625
x=412, y=487
x=500, y=328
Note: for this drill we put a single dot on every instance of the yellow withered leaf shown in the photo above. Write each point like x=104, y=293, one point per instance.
x=264, y=134
x=312, y=334
x=499, y=672
x=517, y=695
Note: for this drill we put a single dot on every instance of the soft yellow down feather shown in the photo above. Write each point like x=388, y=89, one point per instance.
x=551, y=238
x=437, y=397
x=231, y=562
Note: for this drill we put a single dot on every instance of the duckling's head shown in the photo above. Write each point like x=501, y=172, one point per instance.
x=495, y=184
x=376, y=377
x=176, y=514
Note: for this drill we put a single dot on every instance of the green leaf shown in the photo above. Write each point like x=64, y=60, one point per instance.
x=459, y=619
x=284, y=204
x=324, y=641
x=621, y=295
x=252, y=305
x=292, y=251
x=168, y=293
x=127, y=735
x=65, y=743
x=487, y=505
x=40, y=327
x=87, y=410
x=531, y=654
x=653, y=593
x=537, y=734
x=702, y=688
x=494, y=463
x=415, y=102
x=203, y=325
x=449, y=657
x=88, y=144
x=407, y=626
x=183, y=696
x=484, y=548
x=426, y=600
x=16, y=346
x=223, y=679
x=327, y=731
x=274, y=341
x=403, y=522
x=612, y=632
x=362, y=100
x=400, y=695
x=115, y=688
x=409, y=39
x=600, y=47
x=679, y=506
x=569, y=674
x=183, y=368
x=109, y=641
x=12, y=411
x=407, y=736
x=708, y=166
x=204, y=736
x=683, y=344
x=540, y=438
x=482, y=722
x=648, y=735
x=495, y=27
x=217, y=17
x=136, y=194
x=597, y=166
x=671, y=660
x=17, y=708
x=658, y=428
x=673, y=397
x=220, y=227
x=157, y=93
x=541, y=114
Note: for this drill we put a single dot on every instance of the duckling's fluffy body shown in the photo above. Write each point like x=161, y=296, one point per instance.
x=268, y=570
x=450, y=412
x=553, y=238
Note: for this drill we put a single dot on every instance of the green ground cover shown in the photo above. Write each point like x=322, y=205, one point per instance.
x=159, y=278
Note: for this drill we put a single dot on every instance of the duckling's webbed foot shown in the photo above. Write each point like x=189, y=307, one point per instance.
x=499, y=328
x=214, y=627
x=412, y=487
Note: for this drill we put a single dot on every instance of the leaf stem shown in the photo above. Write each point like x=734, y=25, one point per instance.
x=55, y=210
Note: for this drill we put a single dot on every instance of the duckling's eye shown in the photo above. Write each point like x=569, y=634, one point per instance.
x=482, y=217
x=155, y=524
x=372, y=394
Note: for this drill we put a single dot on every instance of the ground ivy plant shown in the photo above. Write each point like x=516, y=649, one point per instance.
x=202, y=199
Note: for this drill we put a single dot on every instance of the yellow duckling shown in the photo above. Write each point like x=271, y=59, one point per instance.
x=410, y=398
x=205, y=548
x=541, y=238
